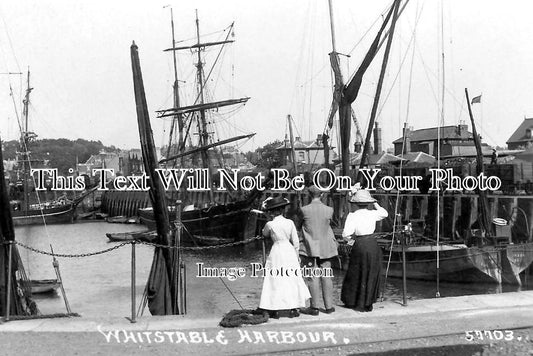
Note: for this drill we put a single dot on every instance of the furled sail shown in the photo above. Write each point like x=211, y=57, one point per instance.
x=344, y=96
x=161, y=287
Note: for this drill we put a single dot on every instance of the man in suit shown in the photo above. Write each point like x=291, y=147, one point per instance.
x=317, y=248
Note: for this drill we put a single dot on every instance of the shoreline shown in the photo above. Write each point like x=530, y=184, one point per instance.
x=389, y=322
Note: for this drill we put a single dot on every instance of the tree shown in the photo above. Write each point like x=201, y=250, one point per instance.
x=267, y=156
x=60, y=153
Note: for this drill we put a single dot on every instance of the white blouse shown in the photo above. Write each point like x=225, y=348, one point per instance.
x=281, y=229
x=363, y=221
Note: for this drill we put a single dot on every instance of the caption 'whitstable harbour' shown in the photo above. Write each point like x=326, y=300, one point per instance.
x=219, y=337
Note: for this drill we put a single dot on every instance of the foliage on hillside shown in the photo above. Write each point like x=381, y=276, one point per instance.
x=60, y=153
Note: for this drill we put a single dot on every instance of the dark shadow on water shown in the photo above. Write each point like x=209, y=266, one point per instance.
x=456, y=350
x=428, y=289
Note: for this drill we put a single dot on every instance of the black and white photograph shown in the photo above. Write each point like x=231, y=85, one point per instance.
x=251, y=177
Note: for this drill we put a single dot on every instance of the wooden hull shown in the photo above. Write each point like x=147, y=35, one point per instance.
x=232, y=221
x=43, y=286
x=59, y=215
x=516, y=258
x=458, y=263
x=128, y=236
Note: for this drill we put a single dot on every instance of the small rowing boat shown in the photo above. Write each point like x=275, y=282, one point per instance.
x=40, y=286
x=132, y=235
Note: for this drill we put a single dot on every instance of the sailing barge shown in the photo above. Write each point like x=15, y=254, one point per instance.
x=462, y=256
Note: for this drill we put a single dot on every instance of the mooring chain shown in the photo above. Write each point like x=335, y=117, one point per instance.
x=255, y=238
x=134, y=242
x=71, y=255
x=202, y=247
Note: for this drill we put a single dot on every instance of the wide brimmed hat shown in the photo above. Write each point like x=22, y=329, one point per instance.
x=273, y=203
x=362, y=197
x=499, y=221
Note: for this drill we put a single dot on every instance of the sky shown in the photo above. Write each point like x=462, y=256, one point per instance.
x=78, y=55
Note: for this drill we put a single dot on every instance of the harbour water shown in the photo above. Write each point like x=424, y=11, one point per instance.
x=99, y=285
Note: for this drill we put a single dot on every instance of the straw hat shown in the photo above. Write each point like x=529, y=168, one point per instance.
x=273, y=203
x=499, y=221
x=362, y=197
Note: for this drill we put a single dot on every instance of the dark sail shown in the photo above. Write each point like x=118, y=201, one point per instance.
x=344, y=96
x=19, y=303
x=161, y=287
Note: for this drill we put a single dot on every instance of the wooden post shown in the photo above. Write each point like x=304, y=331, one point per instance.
x=473, y=210
x=8, y=289
x=454, y=213
x=530, y=239
x=176, y=269
x=55, y=263
x=494, y=211
x=404, y=269
x=184, y=285
x=263, y=243
x=408, y=207
x=133, y=320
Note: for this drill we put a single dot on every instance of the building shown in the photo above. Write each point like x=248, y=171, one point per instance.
x=455, y=141
x=375, y=160
x=308, y=153
x=123, y=163
x=522, y=138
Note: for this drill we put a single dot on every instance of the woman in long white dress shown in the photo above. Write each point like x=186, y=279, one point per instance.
x=283, y=285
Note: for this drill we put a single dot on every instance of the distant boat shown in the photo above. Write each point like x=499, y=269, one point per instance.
x=61, y=210
x=52, y=215
x=41, y=286
x=122, y=220
x=134, y=235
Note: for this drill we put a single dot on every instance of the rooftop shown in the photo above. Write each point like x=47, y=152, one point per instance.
x=453, y=132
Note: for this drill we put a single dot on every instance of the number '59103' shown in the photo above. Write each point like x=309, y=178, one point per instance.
x=489, y=335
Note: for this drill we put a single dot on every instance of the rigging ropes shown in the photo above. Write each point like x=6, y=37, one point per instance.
x=404, y=141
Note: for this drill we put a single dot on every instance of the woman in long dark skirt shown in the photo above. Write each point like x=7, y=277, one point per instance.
x=360, y=288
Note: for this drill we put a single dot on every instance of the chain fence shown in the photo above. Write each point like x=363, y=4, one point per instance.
x=122, y=244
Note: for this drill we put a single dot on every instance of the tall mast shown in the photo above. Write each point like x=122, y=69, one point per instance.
x=332, y=25
x=484, y=204
x=24, y=143
x=200, y=107
x=204, y=134
x=366, y=148
x=344, y=95
x=334, y=54
x=178, y=117
x=293, y=155
x=293, y=151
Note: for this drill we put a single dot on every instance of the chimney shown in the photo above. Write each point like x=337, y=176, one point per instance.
x=357, y=147
x=461, y=129
x=377, y=139
x=405, y=137
x=319, y=140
